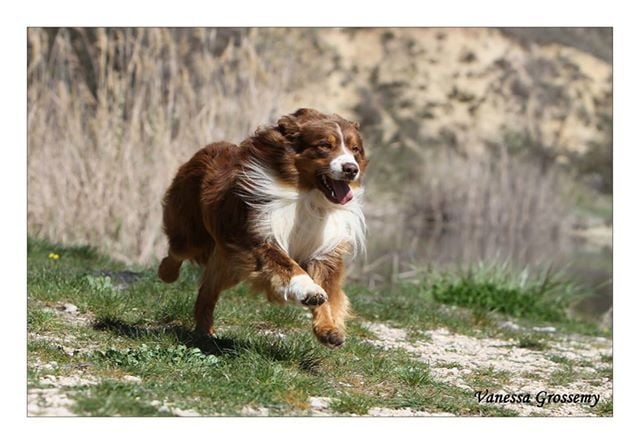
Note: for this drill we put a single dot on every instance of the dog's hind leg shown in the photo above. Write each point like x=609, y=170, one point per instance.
x=215, y=279
x=169, y=269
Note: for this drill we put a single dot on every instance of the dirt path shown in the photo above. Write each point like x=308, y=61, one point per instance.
x=456, y=359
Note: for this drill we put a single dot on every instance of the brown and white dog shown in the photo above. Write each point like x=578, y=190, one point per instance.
x=282, y=211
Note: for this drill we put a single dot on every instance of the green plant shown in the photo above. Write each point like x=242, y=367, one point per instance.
x=543, y=297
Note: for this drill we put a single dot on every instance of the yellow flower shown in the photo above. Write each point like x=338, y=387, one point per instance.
x=54, y=256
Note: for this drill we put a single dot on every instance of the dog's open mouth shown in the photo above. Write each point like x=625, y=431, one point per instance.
x=337, y=191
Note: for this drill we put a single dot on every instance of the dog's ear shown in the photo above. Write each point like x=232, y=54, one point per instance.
x=306, y=114
x=289, y=127
x=356, y=125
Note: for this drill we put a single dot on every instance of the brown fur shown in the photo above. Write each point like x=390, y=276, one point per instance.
x=206, y=219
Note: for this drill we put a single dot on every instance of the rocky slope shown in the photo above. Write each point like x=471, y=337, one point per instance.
x=465, y=85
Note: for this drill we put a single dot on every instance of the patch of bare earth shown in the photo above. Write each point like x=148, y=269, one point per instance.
x=68, y=343
x=457, y=359
x=52, y=399
x=53, y=394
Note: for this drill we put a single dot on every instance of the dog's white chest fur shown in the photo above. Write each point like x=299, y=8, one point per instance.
x=307, y=229
x=304, y=224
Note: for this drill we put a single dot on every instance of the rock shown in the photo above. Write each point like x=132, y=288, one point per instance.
x=131, y=378
x=68, y=381
x=68, y=350
x=248, y=410
x=510, y=326
x=180, y=412
x=49, y=365
x=548, y=329
x=70, y=308
x=319, y=402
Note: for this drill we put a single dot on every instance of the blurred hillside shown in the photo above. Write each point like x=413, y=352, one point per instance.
x=484, y=142
x=466, y=88
x=467, y=85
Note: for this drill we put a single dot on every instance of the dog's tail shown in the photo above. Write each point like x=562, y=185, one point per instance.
x=169, y=269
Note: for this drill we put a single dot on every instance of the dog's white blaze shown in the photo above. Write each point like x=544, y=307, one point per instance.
x=299, y=287
x=335, y=167
x=305, y=224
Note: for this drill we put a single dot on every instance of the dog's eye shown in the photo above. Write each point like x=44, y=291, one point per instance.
x=324, y=145
x=355, y=149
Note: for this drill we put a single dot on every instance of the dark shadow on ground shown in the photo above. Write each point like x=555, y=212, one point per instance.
x=207, y=344
x=306, y=356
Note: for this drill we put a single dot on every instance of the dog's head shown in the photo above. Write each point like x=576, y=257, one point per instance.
x=328, y=152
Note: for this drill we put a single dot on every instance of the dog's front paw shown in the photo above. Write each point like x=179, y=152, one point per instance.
x=331, y=337
x=302, y=289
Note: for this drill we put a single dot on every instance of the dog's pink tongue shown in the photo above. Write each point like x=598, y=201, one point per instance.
x=342, y=190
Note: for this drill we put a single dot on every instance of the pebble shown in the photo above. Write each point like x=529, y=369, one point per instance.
x=70, y=308
x=544, y=329
x=131, y=378
x=68, y=350
x=515, y=327
x=248, y=410
x=319, y=402
x=50, y=365
x=180, y=412
x=510, y=326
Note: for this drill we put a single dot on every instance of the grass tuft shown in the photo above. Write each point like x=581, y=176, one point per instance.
x=494, y=288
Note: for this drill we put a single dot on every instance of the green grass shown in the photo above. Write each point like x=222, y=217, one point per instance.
x=489, y=378
x=264, y=355
x=604, y=408
x=474, y=301
x=533, y=342
x=544, y=297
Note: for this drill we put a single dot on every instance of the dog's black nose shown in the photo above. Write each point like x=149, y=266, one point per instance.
x=350, y=170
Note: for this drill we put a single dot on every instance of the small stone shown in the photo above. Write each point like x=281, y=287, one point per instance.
x=510, y=326
x=248, y=410
x=50, y=365
x=68, y=350
x=49, y=379
x=131, y=378
x=163, y=409
x=70, y=308
x=548, y=329
x=180, y=412
x=319, y=402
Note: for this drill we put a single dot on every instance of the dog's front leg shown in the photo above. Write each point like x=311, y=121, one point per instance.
x=329, y=319
x=283, y=279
